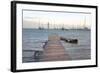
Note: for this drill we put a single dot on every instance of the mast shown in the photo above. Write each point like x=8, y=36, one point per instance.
x=85, y=22
x=39, y=24
x=48, y=27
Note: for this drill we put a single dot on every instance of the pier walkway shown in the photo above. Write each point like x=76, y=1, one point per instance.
x=54, y=50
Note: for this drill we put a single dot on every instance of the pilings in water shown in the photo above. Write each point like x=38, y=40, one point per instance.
x=73, y=41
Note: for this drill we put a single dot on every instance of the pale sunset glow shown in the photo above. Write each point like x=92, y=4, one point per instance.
x=35, y=19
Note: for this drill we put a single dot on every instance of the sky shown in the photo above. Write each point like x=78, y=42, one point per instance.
x=35, y=19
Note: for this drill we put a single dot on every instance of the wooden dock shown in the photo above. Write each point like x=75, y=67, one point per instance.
x=54, y=50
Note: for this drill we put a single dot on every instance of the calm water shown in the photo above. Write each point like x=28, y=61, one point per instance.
x=33, y=40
